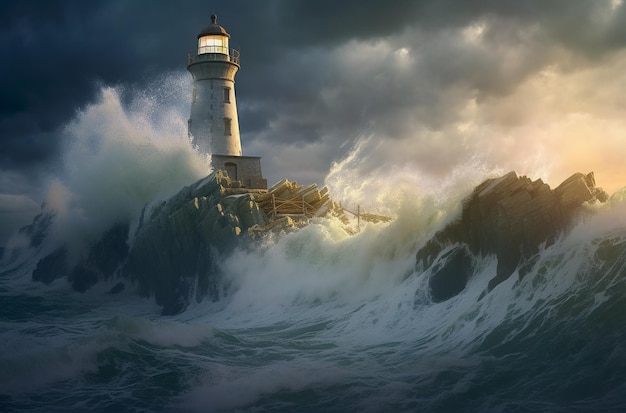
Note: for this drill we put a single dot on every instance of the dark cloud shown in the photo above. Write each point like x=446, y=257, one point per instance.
x=55, y=54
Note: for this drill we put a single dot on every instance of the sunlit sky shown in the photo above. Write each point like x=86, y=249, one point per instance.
x=533, y=86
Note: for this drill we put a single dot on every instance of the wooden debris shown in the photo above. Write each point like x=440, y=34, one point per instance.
x=286, y=199
x=373, y=218
x=289, y=198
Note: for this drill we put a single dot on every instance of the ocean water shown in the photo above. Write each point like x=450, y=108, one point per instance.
x=320, y=321
x=312, y=321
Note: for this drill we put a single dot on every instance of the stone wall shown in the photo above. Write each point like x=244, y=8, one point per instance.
x=248, y=169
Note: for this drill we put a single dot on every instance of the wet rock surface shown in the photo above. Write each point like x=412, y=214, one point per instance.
x=450, y=275
x=52, y=266
x=175, y=249
x=509, y=217
x=38, y=229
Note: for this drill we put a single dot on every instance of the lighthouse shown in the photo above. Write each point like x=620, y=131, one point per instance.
x=213, y=123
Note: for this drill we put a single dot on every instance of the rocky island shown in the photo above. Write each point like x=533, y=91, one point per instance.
x=174, y=251
x=509, y=217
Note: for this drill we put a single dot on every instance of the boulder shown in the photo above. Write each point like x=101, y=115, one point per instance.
x=510, y=217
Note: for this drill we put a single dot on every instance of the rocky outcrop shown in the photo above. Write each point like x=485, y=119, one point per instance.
x=104, y=260
x=38, y=229
x=175, y=250
x=175, y=253
x=450, y=273
x=509, y=217
x=52, y=266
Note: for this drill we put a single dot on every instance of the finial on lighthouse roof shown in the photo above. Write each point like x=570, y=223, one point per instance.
x=213, y=28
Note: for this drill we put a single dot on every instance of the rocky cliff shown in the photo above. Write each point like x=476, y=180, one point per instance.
x=173, y=253
x=509, y=217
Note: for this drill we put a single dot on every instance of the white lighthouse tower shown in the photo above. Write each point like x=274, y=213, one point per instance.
x=214, y=124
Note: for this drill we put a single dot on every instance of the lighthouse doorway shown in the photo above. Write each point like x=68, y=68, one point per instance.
x=231, y=170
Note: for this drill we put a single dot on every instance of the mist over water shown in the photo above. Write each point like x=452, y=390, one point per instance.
x=314, y=320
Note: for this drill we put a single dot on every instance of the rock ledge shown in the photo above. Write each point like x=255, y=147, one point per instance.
x=510, y=217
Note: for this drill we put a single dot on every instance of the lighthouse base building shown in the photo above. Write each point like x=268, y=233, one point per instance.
x=214, y=124
x=246, y=169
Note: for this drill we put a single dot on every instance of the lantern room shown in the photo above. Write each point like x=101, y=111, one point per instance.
x=213, y=38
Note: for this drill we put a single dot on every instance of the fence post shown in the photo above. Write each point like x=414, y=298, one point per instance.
x=358, y=217
x=273, y=207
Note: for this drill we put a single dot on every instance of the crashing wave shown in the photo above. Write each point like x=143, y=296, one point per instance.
x=175, y=250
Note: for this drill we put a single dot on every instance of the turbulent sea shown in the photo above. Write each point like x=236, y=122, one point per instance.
x=313, y=321
x=320, y=321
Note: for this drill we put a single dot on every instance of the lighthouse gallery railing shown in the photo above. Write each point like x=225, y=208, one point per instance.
x=214, y=53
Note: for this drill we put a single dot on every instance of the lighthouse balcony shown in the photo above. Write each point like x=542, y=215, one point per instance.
x=210, y=53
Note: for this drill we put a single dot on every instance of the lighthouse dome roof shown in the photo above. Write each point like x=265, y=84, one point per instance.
x=213, y=28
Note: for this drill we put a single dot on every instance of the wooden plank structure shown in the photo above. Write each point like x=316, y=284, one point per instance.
x=286, y=198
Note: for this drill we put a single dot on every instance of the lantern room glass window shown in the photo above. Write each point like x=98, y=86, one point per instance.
x=213, y=44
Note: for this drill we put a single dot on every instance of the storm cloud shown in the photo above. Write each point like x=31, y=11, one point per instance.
x=534, y=86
